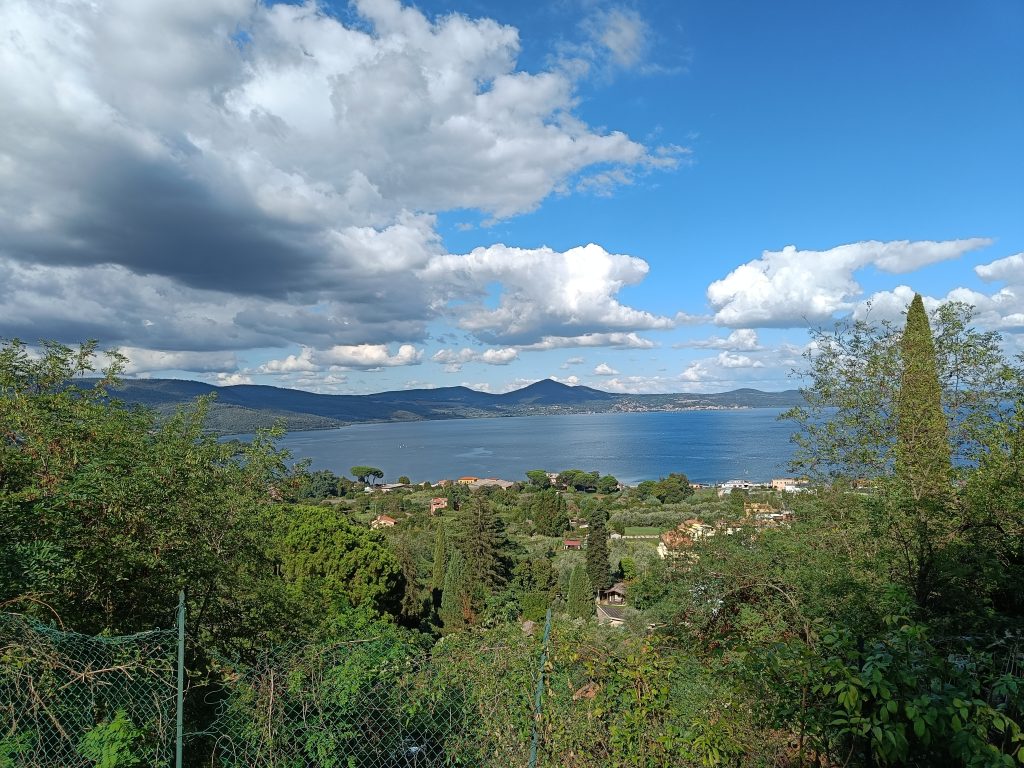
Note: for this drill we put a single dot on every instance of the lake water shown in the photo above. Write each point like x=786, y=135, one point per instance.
x=709, y=446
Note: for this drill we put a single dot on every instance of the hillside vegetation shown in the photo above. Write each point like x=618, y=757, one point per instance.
x=875, y=619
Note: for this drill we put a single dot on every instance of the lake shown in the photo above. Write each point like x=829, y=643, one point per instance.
x=709, y=446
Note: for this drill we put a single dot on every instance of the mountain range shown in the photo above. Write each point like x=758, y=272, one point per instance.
x=244, y=408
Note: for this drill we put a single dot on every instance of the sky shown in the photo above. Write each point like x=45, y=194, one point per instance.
x=658, y=196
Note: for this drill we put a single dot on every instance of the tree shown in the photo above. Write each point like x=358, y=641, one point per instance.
x=404, y=480
x=549, y=513
x=847, y=426
x=646, y=489
x=106, y=511
x=673, y=489
x=479, y=535
x=330, y=560
x=599, y=570
x=579, y=598
x=578, y=479
x=456, y=609
x=918, y=512
x=607, y=484
x=440, y=557
x=922, y=436
x=538, y=478
x=364, y=473
x=320, y=484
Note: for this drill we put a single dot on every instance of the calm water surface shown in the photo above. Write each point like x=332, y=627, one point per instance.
x=709, y=446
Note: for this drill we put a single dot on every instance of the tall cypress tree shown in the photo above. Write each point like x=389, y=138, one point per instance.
x=440, y=557
x=599, y=568
x=923, y=464
x=454, y=595
x=579, y=598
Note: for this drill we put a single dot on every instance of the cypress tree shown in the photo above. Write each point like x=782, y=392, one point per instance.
x=923, y=462
x=454, y=597
x=599, y=569
x=440, y=557
x=579, y=598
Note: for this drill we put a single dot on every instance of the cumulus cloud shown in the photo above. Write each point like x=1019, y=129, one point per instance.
x=740, y=339
x=150, y=360
x=454, y=359
x=1001, y=310
x=499, y=356
x=603, y=369
x=729, y=360
x=362, y=357
x=790, y=288
x=233, y=379
x=1010, y=269
x=614, y=340
x=544, y=291
x=367, y=356
x=229, y=174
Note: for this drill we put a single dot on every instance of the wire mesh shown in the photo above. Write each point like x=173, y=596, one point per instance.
x=363, y=704
x=73, y=700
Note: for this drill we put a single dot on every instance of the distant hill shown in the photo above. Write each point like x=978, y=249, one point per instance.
x=244, y=408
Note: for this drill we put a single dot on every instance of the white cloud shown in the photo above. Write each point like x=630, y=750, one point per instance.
x=741, y=339
x=367, y=356
x=543, y=291
x=621, y=32
x=603, y=369
x=614, y=340
x=571, y=361
x=149, y=360
x=639, y=385
x=890, y=305
x=499, y=356
x=1009, y=269
x=729, y=360
x=1002, y=310
x=302, y=362
x=230, y=174
x=453, y=359
x=790, y=288
x=232, y=379
x=363, y=357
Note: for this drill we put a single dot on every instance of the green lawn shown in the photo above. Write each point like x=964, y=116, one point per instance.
x=642, y=531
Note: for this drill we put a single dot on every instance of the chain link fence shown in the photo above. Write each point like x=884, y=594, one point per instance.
x=74, y=700
x=362, y=704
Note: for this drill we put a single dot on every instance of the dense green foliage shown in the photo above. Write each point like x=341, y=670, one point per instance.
x=549, y=513
x=597, y=554
x=579, y=599
x=879, y=622
x=922, y=443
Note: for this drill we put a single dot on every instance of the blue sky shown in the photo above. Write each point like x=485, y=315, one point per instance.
x=353, y=198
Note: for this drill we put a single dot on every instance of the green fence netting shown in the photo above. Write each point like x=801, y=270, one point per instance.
x=74, y=700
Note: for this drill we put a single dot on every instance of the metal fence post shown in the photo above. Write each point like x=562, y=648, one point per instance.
x=539, y=697
x=181, y=680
